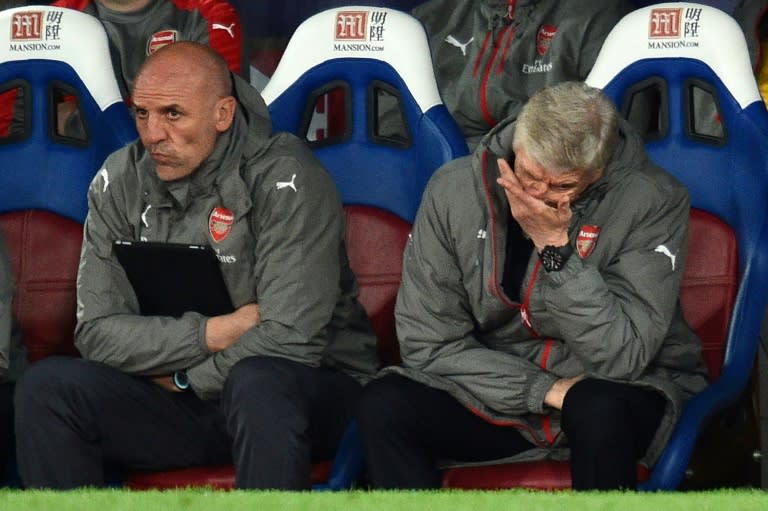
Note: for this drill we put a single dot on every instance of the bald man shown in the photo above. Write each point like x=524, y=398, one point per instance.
x=270, y=386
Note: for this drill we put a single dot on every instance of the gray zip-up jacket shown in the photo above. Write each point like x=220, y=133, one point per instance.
x=271, y=212
x=612, y=312
x=12, y=353
x=490, y=56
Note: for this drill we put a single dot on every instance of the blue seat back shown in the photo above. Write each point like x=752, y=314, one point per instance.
x=52, y=57
x=347, y=76
x=687, y=64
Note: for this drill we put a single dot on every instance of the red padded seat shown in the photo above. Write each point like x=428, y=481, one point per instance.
x=217, y=477
x=45, y=252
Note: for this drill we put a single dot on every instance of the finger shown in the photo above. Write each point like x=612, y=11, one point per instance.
x=504, y=168
x=507, y=175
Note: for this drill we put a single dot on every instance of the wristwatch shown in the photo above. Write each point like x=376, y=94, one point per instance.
x=554, y=258
x=180, y=380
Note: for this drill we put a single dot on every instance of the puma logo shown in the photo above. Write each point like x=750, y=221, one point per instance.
x=105, y=177
x=455, y=42
x=229, y=28
x=144, y=215
x=287, y=184
x=664, y=250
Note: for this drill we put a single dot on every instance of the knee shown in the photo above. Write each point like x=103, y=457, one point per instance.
x=591, y=407
x=46, y=379
x=383, y=404
x=262, y=381
x=46, y=387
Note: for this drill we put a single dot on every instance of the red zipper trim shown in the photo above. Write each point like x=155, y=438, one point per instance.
x=545, y=356
x=486, y=77
x=480, y=55
x=493, y=287
x=546, y=423
x=504, y=56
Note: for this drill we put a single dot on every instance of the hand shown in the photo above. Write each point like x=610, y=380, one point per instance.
x=223, y=331
x=545, y=224
x=556, y=395
x=166, y=382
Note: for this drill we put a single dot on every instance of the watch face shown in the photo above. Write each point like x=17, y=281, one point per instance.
x=554, y=258
x=551, y=259
x=180, y=380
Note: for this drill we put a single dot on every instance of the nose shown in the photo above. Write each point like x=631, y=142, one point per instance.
x=152, y=130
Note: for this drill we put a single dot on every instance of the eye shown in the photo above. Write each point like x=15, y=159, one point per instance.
x=567, y=187
x=173, y=114
x=140, y=113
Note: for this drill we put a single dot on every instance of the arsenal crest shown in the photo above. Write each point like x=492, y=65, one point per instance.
x=587, y=239
x=220, y=223
x=160, y=39
x=544, y=38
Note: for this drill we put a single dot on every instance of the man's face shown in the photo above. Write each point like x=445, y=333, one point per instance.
x=177, y=119
x=538, y=182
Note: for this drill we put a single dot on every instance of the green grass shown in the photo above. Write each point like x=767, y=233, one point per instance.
x=203, y=500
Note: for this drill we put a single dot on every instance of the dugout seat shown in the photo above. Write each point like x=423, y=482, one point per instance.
x=681, y=73
x=356, y=83
x=61, y=114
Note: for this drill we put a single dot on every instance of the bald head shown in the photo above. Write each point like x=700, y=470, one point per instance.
x=196, y=62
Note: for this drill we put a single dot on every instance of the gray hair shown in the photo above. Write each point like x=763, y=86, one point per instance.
x=568, y=126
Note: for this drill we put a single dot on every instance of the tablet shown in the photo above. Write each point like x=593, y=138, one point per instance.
x=170, y=279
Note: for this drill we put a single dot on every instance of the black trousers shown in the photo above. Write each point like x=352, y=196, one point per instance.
x=6, y=431
x=609, y=427
x=75, y=417
x=408, y=427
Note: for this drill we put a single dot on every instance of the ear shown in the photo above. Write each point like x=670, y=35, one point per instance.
x=225, y=113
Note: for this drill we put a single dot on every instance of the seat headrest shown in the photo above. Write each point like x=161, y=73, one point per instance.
x=47, y=33
x=356, y=32
x=679, y=30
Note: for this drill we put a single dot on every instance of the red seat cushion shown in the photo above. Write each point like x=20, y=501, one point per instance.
x=536, y=475
x=219, y=477
x=45, y=252
x=710, y=283
x=375, y=243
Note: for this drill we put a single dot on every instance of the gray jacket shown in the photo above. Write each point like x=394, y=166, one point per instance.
x=12, y=353
x=487, y=65
x=283, y=248
x=612, y=312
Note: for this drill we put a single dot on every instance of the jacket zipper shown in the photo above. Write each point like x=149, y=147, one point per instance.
x=508, y=34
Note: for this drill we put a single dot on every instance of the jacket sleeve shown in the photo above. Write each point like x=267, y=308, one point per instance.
x=6, y=300
x=109, y=327
x=299, y=238
x=616, y=318
x=435, y=323
x=223, y=32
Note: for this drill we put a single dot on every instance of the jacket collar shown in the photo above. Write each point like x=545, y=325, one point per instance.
x=248, y=136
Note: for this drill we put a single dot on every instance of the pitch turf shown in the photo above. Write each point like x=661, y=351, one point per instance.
x=202, y=500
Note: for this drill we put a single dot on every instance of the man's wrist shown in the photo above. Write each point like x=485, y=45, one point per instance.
x=554, y=257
